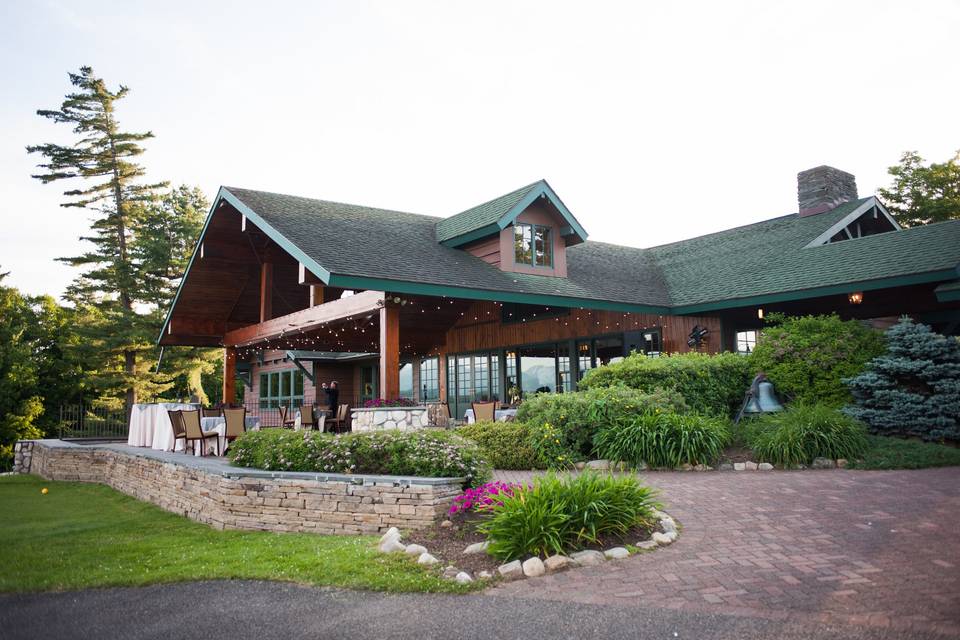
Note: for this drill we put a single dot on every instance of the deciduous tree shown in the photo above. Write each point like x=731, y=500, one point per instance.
x=923, y=193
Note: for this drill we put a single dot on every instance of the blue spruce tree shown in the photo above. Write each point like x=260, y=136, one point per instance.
x=913, y=389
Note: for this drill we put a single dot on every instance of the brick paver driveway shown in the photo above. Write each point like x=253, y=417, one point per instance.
x=874, y=548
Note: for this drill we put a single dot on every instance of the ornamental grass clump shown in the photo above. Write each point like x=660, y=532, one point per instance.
x=661, y=439
x=561, y=514
x=432, y=454
x=804, y=432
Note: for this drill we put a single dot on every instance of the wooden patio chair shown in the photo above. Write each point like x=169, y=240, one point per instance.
x=211, y=412
x=286, y=417
x=179, y=430
x=337, y=424
x=308, y=417
x=191, y=420
x=484, y=411
x=236, y=424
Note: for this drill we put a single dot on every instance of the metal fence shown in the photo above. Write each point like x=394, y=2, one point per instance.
x=84, y=421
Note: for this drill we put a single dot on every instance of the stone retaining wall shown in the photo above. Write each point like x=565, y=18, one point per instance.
x=353, y=505
x=22, y=456
x=399, y=418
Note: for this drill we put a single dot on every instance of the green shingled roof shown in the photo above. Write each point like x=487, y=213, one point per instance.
x=481, y=216
x=362, y=247
x=366, y=248
x=490, y=217
x=773, y=258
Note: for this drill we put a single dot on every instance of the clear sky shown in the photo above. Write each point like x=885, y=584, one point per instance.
x=653, y=121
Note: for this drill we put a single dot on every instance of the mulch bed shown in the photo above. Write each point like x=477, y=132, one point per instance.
x=736, y=453
x=447, y=543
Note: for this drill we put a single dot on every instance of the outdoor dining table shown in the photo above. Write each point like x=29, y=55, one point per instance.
x=219, y=424
x=500, y=415
x=149, y=423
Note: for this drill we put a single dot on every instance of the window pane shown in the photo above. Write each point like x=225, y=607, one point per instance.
x=481, y=379
x=538, y=369
x=609, y=350
x=264, y=385
x=494, y=376
x=298, y=383
x=544, y=247
x=584, y=361
x=429, y=380
x=523, y=241
x=285, y=384
x=746, y=341
x=274, y=385
x=406, y=380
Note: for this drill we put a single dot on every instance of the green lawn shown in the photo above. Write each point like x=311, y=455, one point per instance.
x=896, y=453
x=85, y=535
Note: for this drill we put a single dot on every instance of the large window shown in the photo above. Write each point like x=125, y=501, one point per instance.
x=538, y=369
x=281, y=389
x=746, y=341
x=533, y=245
x=429, y=380
x=406, y=380
x=472, y=378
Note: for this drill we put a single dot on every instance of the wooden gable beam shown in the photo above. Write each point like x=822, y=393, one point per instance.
x=307, y=319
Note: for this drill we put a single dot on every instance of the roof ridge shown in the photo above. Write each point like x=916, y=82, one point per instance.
x=494, y=199
x=334, y=202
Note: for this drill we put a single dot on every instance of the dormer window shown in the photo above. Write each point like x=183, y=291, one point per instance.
x=533, y=245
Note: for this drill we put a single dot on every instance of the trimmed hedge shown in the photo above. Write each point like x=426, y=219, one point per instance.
x=710, y=384
x=804, y=432
x=505, y=445
x=574, y=418
x=806, y=358
x=428, y=453
x=664, y=440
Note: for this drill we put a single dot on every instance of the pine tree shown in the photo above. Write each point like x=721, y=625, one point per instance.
x=103, y=157
x=169, y=232
x=912, y=390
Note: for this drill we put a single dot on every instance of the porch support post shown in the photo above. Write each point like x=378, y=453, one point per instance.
x=316, y=294
x=266, y=291
x=229, y=374
x=389, y=352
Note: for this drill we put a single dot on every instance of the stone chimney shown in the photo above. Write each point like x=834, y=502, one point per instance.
x=824, y=188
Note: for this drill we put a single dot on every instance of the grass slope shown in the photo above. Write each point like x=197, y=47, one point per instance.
x=86, y=535
x=894, y=453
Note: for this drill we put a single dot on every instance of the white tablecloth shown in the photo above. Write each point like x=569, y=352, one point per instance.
x=219, y=424
x=500, y=415
x=150, y=422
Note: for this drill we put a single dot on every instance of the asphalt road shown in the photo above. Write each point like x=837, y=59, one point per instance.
x=233, y=610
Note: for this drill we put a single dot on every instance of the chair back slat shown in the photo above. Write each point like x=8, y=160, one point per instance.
x=211, y=412
x=484, y=411
x=342, y=411
x=235, y=422
x=306, y=415
x=176, y=423
x=191, y=420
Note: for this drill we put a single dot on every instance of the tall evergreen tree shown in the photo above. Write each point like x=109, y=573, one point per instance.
x=169, y=232
x=922, y=193
x=20, y=402
x=103, y=157
x=913, y=389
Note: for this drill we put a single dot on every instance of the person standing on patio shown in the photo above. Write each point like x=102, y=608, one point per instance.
x=333, y=396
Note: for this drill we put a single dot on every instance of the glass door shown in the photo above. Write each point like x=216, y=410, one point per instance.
x=369, y=379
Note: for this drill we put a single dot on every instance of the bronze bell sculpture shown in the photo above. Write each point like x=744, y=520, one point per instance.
x=760, y=398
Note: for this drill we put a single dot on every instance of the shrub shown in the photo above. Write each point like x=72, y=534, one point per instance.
x=805, y=358
x=662, y=439
x=804, y=432
x=505, y=445
x=433, y=454
x=710, y=384
x=914, y=389
x=562, y=514
x=577, y=416
x=483, y=497
x=376, y=403
x=548, y=444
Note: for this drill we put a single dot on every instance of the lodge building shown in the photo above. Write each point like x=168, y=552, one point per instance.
x=510, y=298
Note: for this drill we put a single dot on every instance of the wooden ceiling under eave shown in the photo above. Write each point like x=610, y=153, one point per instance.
x=221, y=291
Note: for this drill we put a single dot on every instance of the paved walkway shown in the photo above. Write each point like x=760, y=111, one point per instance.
x=877, y=549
